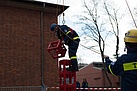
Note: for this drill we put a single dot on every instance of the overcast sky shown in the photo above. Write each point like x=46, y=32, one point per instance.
x=76, y=9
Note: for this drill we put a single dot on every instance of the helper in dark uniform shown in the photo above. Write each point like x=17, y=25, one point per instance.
x=126, y=65
x=70, y=38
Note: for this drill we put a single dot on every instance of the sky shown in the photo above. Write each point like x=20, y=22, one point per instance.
x=76, y=8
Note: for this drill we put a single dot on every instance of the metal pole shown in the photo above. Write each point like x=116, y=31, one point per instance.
x=42, y=47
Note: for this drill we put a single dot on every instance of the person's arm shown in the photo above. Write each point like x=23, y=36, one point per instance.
x=108, y=65
x=114, y=68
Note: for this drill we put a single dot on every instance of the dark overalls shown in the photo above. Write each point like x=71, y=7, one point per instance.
x=71, y=39
x=126, y=67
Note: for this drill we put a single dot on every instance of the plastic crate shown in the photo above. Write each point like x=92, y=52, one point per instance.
x=56, y=49
x=67, y=78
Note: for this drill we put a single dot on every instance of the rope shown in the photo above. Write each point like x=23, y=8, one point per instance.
x=63, y=21
x=57, y=9
x=131, y=13
x=94, y=50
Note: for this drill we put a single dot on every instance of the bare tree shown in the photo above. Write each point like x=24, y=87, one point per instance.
x=114, y=20
x=93, y=28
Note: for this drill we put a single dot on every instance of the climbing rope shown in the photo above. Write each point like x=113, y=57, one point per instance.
x=63, y=14
x=131, y=13
x=63, y=21
x=93, y=50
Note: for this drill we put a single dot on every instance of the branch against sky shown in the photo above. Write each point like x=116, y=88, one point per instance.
x=99, y=22
x=96, y=13
x=93, y=27
x=76, y=9
x=114, y=19
x=93, y=23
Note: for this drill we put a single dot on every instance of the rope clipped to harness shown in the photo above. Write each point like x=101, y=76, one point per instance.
x=93, y=50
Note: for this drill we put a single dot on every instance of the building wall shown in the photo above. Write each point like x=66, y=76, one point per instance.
x=20, y=48
x=95, y=77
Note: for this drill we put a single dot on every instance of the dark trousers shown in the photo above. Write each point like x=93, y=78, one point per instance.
x=72, y=50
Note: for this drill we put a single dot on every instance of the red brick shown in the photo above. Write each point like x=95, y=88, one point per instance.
x=20, y=48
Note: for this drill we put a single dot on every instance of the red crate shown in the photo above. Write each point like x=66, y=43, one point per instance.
x=67, y=78
x=57, y=49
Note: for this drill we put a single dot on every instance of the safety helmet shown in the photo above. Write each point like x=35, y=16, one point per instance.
x=53, y=26
x=131, y=36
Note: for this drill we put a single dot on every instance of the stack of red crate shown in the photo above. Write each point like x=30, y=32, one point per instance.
x=67, y=78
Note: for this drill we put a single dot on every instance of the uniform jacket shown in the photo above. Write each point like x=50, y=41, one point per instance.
x=126, y=67
x=67, y=34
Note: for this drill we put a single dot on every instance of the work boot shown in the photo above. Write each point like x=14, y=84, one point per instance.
x=74, y=66
x=70, y=68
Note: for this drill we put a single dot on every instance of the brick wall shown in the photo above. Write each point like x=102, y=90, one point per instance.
x=96, y=77
x=20, y=48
